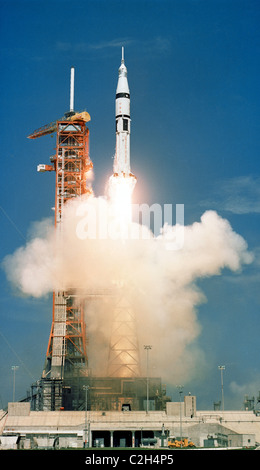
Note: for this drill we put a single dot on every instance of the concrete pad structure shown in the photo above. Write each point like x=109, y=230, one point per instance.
x=25, y=429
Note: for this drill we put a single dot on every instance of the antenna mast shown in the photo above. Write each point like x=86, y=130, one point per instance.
x=72, y=74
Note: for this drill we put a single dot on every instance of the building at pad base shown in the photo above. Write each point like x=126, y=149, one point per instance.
x=21, y=428
x=104, y=394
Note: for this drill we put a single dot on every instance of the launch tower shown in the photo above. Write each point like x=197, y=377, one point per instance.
x=66, y=351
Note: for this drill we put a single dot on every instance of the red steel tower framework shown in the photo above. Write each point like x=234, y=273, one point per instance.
x=66, y=349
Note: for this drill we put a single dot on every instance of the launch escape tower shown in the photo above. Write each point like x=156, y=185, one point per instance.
x=66, y=370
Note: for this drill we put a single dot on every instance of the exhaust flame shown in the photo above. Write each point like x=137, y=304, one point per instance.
x=120, y=190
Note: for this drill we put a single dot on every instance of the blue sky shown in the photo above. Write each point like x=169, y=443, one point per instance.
x=193, y=68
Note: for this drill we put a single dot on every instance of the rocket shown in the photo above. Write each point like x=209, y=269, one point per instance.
x=122, y=112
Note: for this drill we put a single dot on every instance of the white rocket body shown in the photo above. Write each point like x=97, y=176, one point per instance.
x=122, y=155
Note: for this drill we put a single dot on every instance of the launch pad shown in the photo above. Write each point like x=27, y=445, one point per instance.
x=98, y=394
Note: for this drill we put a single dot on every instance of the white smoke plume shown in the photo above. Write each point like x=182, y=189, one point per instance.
x=160, y=284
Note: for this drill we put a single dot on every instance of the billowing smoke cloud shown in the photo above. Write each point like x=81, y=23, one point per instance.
x=159, y=283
